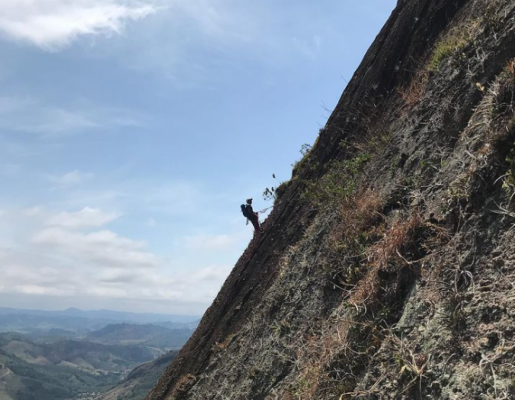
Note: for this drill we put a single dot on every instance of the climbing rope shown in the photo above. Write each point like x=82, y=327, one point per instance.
x=265, y=210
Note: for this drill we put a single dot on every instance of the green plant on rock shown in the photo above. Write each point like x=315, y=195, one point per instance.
x=269, y=193
x=305, y=151
x=338, y=184
x=453, y=43
x=459, y=188
x=275, y=193
x=355, y=209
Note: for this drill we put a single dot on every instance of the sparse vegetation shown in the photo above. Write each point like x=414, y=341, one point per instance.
x=358, y=218
x=453, y=43
x=305, y=151
x=412, y=93
x=503, y=92
x=338, y=184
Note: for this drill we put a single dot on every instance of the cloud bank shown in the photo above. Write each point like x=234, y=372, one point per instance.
x=54, y=24
x=76, y=255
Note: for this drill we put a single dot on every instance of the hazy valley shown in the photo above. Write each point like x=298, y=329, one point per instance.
x=79, y=355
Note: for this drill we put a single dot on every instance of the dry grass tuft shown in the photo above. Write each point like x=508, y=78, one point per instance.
x=412, y=93
x=495, y=113
x=358, y=218
x=184, y=384
x=330, y=361
x=396, y=240
x=389, y=255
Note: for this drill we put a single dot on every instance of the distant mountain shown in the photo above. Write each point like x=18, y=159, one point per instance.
x=73, y=323
x=148, y=335
x=87, y=356
x=26, y=323
x=138, y=318
x=52, y=335
x=140, y=381
x=171, y=325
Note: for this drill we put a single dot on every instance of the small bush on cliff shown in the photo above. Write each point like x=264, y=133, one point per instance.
x=305, y=151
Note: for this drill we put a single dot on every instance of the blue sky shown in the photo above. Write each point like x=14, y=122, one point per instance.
x=131, y=131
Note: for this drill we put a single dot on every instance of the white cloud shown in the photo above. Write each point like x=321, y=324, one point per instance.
x=103, y=266
x=87, y=217
x=54, y=121
x=57, y=121
x=33, y=211
x=44, y=271
x=54, y=24
x=308, y=47
x=72, y=178
x=214, y=273
x=103, y=249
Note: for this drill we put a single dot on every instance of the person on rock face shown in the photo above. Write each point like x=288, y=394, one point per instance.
x=251, y=215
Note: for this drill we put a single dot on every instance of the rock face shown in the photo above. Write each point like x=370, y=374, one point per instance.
x=387, y=268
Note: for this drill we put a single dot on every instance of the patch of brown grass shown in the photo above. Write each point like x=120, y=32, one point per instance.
x=358, y=218
x=184, y=384
x=389, y=254
x=398, y=237
x=330, y=361
x=494, y=117
x=374, y=123
x=219, y=346
x=412, y=93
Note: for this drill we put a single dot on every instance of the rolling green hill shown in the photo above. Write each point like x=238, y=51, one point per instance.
x=78, y=354
x=20, y=380
x=63, y=369
x=52, y=366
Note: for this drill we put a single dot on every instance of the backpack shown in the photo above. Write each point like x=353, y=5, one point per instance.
x=244, y=211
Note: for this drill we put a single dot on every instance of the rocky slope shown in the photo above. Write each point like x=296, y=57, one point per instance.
x=387, y=267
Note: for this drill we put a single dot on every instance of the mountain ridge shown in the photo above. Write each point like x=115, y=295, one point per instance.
x=103, y=314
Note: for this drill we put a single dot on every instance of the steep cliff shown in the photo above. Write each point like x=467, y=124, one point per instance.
x=387, y=267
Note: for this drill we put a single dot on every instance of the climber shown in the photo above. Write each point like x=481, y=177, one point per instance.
x=249, y=213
